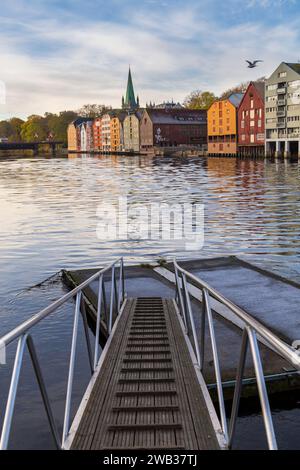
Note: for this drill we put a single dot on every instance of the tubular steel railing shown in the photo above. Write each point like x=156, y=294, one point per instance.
x=252, y=329
x=22, y=334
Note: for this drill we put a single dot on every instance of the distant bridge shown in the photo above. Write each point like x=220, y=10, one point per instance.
x=36, y=147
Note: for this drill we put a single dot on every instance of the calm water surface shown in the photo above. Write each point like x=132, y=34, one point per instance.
x=49, y=219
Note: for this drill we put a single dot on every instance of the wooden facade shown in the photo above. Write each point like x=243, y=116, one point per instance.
x=251, y=121
x=223, y=126
x=173, y=127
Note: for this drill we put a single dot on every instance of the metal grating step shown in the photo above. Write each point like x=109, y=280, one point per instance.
x=157, y=408
x=144, y=427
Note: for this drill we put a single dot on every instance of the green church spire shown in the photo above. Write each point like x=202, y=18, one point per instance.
x=130, y=102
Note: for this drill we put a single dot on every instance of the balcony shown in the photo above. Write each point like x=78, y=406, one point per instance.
x=280, y=113
x=280, y=124
x=281, y=90
x=281, y=102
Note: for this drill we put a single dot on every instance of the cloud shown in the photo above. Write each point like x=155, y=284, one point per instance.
x=61, y=58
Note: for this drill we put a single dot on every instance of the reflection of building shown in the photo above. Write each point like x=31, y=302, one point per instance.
x=131, y=128
x=222, y=125
x=106, y=132
x=282, y=102
x=251, y=121
x=173, y=127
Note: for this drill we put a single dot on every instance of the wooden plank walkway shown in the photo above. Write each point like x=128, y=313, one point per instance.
x=147, y=395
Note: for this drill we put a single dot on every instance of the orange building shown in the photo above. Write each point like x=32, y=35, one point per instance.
x=222, y=125
x=116, y=132
x=97, y=134
x=72, y=138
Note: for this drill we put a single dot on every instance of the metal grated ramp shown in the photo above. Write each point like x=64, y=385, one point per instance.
x=147, y=395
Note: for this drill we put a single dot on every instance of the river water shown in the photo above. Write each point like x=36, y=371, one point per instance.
x=49, y=219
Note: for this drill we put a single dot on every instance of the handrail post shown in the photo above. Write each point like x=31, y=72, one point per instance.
x=71, y=369
x=111, y=300
x=98, y=323
x=181, y=303
x=43, y=390
x=262, y=390
x=238, y=387
x=123, y=280
x=202, y=333
x=216, y=364
x=12, y=393
x=86, y=332
x=191, y=317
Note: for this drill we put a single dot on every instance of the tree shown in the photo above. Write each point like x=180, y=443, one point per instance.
x=16, y=126
x=199, y=100
x=34, y=129
x=11, y=129
x=93, y=110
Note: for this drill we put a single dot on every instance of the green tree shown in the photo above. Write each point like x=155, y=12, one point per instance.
x=16, y=126
x=199, y=100
x=34, y=129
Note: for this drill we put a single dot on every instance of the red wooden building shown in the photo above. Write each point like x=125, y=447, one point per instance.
x=97, y=134
x=173, y=127
x=251, y=121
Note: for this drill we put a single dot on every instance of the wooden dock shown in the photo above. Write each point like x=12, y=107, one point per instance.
x=147, y=394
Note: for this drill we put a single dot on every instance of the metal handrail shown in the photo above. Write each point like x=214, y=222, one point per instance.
x=22, y=333
x=252, y=329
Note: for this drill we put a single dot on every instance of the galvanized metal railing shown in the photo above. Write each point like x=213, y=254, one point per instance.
x=252, y=330
x=22, y=334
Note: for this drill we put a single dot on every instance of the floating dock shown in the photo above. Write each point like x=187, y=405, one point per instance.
x=267, y=297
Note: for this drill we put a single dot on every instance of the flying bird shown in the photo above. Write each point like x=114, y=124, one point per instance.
x=253, y=64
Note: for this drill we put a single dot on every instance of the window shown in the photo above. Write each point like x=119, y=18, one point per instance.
x=252, y=138
x=243, y=124
x=259, y=123
x=272, y=87
x=252, y=103
x=252, y=123
x=252, y=114
x=260, y=113
x=243, y=137
x=282, y=74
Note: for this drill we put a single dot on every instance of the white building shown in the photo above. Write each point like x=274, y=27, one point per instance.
x=282, y=102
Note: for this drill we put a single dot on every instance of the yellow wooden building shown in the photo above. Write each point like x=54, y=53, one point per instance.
x=222, y=125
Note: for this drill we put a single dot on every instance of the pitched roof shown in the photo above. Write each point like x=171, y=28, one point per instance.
x=236, y=99
x=260, y=87
x=177, y=116
x=295, y=67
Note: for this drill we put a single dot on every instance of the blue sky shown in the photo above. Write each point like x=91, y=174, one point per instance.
x=58, y=55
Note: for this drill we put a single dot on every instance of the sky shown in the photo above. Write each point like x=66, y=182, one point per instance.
x=57, y=55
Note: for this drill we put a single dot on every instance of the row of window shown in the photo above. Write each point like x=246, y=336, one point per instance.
x=253, y=112
x=252, y=123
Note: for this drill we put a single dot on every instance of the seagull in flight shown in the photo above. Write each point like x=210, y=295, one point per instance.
x=253, y=64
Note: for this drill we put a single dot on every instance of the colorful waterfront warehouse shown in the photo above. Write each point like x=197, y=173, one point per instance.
x=173, y=127
x=131, y=128
x=97, y=134
x=282, y=102
x=251, y=121
x=106, y=132
x=116, y=131
x=222, y=120
x=74, y=136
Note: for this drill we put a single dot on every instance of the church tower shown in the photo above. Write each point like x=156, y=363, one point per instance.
x=130, y=103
